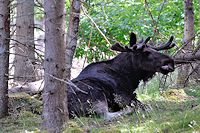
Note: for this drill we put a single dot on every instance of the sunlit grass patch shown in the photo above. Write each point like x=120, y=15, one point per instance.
x=165, y=116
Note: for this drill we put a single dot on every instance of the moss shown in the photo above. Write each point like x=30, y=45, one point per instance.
x=24, y=114
x=73, y=127
x=176, y=94
x=19, y=122
x=23, y=101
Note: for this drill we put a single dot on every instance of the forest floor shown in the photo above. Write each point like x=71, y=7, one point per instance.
x=173, y=110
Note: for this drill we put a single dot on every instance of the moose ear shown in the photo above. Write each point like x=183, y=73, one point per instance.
x=133, y=39
x=118, y=47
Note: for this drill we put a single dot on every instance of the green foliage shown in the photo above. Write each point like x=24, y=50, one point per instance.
x=38, y=12
x=116, y=19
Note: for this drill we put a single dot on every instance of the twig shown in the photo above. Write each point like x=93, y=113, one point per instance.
x=162, y=7
x=87, y=51
x=193, y=70
x=69, y=82
x=28, y=57
x=150, y=14
x=84, y=11
x=39, y=4
x=36, y=27
x=198, y=47
x=158, y=18
x=183, y=46
x=155, y=22
x=27, y=46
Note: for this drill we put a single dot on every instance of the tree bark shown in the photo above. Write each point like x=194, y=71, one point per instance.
x=72, y=34
x=184, y=70
x=187, y=58
x=4, y=55
x=54, y=93
x=24, y=49
x=196, y=74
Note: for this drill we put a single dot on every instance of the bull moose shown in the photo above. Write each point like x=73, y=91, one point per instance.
x=106, y=87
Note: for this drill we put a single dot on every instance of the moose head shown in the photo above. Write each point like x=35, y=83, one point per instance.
x=147, y=57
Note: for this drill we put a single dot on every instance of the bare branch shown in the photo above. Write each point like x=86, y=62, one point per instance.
x=187, y=58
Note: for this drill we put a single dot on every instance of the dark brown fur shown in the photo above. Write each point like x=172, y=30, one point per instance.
x=108, y=86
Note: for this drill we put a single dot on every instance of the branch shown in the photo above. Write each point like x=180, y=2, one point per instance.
x=84, y=11
x=150, y=14
x=39, y=4
x=181, y=49
x=187, y=58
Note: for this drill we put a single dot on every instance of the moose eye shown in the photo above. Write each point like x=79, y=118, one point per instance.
x=146, y=50
x=168, y=61
x=147, y=53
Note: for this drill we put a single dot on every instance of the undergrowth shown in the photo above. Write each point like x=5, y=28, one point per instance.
x=167, y=114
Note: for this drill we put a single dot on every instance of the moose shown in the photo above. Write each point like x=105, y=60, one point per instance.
x=107, y=87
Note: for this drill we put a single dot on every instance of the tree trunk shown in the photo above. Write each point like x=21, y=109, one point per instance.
x=196, y=72
x=184, y=70
x=54, y=93
x=4, y=55
x=24, y=48
x=72, y=35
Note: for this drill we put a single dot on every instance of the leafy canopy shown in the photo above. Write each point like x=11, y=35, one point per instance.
x=116, y=19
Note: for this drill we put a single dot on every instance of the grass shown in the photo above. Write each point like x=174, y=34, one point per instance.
x=22, y=122
x=166, y=115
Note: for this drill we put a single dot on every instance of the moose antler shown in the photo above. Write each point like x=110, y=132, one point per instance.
x=119, y=47
x=165, y=46
x=133, y=39
x=141, y=45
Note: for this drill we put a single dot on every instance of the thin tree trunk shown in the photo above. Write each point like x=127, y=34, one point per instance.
x=4, y=55
x=184, y=70
x=72, y=35
x=54, y=93
x=24, y=49
x=196, y=72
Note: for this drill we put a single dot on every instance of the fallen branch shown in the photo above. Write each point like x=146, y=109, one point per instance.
x=187, y=58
